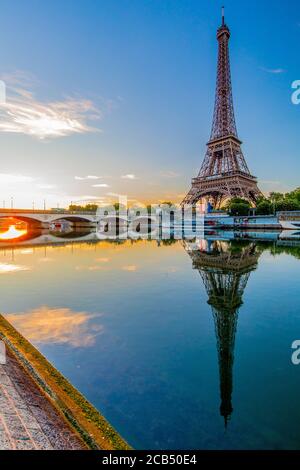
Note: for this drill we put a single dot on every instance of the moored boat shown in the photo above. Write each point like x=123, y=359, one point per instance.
x=289, y=220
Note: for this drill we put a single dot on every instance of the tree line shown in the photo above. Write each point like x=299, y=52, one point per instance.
x=267, y=205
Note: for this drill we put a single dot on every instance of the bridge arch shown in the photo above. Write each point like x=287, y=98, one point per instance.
x=21, y=218
x=39, y=218
x=72, y=218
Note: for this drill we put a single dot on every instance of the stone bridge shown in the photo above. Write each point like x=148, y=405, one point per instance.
x=46, y=217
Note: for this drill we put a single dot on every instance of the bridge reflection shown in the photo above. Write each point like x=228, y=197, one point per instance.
x=20, y=235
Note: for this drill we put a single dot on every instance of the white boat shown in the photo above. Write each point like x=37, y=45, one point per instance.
x=289, y=220
x=290, y=234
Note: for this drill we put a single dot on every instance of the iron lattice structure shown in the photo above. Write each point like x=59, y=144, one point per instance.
x=224, y=172
x=225, y=275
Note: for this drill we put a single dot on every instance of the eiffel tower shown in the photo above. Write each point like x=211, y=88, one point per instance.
x=224, y=172
x=225, y=274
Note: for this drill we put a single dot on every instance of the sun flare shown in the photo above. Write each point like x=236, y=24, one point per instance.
x=12, y=233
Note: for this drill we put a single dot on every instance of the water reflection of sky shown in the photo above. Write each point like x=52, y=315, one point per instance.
x=130, y=326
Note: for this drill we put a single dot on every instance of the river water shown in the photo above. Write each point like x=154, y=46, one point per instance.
x=180, y=344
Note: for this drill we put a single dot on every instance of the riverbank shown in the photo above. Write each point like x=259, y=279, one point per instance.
x=27, y=419
x=37, y=400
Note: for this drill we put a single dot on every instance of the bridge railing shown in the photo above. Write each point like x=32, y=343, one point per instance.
x=38, y=211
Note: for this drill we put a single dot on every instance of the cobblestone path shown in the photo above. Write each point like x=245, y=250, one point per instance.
x=28, y=421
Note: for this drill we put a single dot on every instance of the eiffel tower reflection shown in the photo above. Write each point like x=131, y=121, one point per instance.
x=225, y=269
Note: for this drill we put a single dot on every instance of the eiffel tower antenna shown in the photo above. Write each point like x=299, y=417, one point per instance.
x=224, y=172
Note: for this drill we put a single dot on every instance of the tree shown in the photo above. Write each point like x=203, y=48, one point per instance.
x=275, y=196
x=295, y=194
x=148, y=207
x=91, y=207
x=79, y=208
x=239, y=208
x=239, y=200
x=287, y=205
x=261, y=199
x=167, y=203
x=264, y=208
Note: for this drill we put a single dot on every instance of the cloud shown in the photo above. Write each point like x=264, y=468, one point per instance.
x=6, y=178
x=56, y=325
x=46, y=186
x=129, y=176
x=100, y=185
x=23, y=113
x=89, y=177
x=169, y=174
x=273, y=71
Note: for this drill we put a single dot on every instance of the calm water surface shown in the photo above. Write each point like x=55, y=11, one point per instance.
x=179, y=344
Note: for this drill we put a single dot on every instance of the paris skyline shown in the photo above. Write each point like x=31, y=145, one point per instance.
x=123, y=102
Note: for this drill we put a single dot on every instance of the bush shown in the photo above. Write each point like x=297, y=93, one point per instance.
x=264, y=208
x=239, y=208
x=295, y=195
x=287, y=205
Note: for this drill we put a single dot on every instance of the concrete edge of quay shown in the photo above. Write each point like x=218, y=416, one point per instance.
x=81, y=416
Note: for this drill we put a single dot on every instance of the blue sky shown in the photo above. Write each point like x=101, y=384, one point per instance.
x=123, y=91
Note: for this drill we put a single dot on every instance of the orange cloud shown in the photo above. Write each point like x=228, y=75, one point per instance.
x=56, y=325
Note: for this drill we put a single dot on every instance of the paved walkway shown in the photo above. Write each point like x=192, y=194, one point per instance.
x=27, y=419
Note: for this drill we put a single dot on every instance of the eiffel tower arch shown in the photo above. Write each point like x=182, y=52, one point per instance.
x=224, y=172
x=225, y=274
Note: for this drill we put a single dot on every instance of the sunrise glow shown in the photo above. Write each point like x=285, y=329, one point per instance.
x=12, y=233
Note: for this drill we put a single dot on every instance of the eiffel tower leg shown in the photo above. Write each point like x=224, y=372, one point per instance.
x=218, y=201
